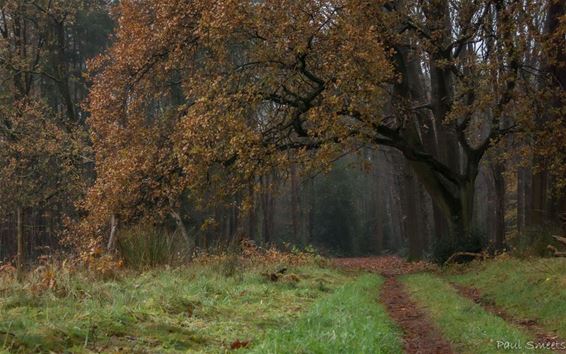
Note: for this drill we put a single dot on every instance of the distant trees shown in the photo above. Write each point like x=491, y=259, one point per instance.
x=39, y=163
x=43, y=146
x=549, y=165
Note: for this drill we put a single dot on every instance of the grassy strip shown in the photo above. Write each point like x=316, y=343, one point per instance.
x=534, y=288
x=349, y=321
x=164, y=310
x=465, y=324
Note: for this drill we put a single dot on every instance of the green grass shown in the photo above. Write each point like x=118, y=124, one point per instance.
x=532, y=288
x=465, y=324
x=196, y=309
x=349, y=321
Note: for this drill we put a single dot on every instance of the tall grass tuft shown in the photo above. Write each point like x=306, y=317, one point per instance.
x=145, y=246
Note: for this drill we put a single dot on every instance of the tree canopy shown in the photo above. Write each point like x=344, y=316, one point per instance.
x=208, y=92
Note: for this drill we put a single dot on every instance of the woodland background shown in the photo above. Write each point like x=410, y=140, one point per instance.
x=419, y=128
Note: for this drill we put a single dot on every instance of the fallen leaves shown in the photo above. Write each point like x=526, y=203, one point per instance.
x=386, y=265
x=238, y=344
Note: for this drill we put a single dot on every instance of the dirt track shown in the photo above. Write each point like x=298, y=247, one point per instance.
x=420, y=335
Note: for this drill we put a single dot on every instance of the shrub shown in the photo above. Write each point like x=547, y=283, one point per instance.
x=475, y=242
x=533, y=241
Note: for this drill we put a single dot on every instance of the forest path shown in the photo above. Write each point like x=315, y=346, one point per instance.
x=420, y=335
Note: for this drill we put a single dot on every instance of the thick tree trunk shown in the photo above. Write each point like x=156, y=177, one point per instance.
x=466, y=201
x=456, y=202
x=452, y=202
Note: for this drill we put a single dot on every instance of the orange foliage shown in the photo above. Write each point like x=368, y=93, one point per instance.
x=39, y=159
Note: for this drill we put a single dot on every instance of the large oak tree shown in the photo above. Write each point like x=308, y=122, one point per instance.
x=200, y=95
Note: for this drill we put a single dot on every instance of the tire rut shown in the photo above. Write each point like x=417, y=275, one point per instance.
x=420, y=335
x=542, y=337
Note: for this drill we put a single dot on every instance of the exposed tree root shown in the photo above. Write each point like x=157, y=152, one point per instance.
x=464, y=254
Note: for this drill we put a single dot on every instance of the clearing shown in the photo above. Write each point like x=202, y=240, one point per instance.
x=361, y=305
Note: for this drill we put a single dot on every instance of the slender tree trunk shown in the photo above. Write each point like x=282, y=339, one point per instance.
x=499, y=184
x=378, y=209
x=183, y=229
x=539, y=198
x=523, y=199
x=414, y=233
x=271, y=215
x=267, y=206
x=251, y=213
x=309, y=234
x=62, y=71
x=294, y=202
x=20, y=258
x=236, y=224
x=111, y=247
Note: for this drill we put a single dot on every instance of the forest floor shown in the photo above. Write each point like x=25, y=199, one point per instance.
x=356, y=305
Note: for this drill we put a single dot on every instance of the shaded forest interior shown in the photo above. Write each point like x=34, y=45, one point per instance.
x=417, y=128
x=368, y=203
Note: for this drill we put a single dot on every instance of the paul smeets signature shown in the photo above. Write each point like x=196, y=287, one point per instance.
x=531, y=345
